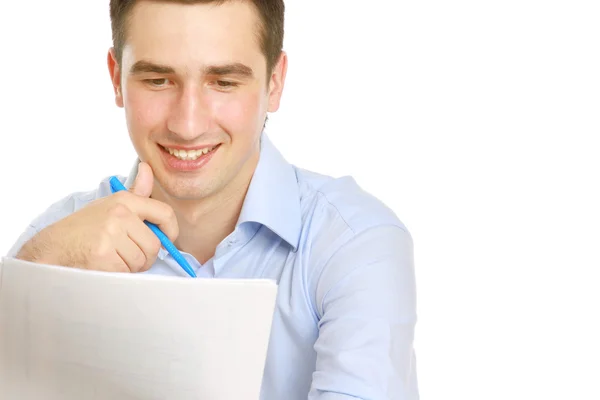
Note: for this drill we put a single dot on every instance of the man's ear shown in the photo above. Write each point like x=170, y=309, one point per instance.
x=115, y=76
x=277, y=82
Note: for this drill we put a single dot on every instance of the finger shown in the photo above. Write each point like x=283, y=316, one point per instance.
x=151, y=210
x=145, y=239
x=130, y=253
x=110, y=263
x=144, y=181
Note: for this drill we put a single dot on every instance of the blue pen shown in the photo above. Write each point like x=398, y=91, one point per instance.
x=117, y=186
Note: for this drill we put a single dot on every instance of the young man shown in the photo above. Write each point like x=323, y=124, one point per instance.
x=196, y=80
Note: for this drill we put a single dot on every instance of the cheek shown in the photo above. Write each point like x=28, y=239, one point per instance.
x=240, y=114
x=144, y=110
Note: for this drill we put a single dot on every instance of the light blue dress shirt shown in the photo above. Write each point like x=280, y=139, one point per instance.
x=345, y=315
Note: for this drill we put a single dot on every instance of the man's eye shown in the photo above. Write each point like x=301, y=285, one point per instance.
x=157, y=82
x=226, y=84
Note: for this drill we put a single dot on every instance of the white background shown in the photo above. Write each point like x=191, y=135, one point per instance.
x=476, y=121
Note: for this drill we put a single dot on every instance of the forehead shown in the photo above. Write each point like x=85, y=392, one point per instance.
x=193, y=34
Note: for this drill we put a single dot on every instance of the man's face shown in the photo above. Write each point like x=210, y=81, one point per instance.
x=194, y=87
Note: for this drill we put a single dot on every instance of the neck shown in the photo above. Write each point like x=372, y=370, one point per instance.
x=205, y=222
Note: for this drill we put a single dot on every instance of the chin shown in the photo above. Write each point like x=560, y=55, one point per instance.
x=187, y=193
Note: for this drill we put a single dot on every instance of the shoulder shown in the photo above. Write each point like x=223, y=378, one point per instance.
x=347, y=231
x=337, y=214
x=342, y=204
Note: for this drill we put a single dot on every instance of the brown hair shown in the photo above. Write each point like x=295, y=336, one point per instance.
x=271, y=13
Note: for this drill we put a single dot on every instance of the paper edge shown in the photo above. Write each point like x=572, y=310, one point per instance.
x=136, y=276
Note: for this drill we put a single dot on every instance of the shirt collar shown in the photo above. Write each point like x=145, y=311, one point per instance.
x=273, y=197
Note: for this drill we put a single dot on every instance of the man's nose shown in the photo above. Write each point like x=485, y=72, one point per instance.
x=190, y=115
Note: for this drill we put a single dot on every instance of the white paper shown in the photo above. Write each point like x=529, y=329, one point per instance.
x=72, y=334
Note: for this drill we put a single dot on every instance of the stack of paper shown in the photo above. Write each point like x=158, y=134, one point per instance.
x=68, y=334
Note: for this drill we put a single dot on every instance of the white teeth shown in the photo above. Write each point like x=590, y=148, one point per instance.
x=189, y=154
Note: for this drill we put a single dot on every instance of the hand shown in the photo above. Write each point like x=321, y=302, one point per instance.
x=108, y=234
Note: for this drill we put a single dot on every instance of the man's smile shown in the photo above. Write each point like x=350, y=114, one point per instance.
x=188, y=159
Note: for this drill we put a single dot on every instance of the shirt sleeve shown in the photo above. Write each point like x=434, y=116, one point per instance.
x=366, y=300
x=54, y=213
x=30, y=232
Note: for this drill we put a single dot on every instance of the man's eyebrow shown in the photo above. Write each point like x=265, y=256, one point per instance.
x=142, y=67
x=229, y=69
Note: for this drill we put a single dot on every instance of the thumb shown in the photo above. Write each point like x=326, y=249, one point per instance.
x=144, y=181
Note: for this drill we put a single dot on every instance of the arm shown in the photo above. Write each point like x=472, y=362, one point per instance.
x=107, y=234
x=367, y=305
